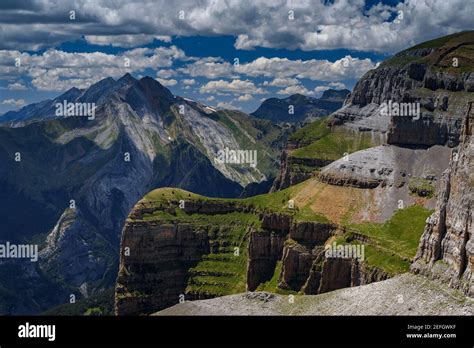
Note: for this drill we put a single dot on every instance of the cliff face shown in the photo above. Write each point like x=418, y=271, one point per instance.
x=170, y=255
x=440, y=118
x=425, y=74
x=265, y=248
x=277, y=241
x=177, y=246
x=307, y=269
x=446, y=249
x=155, y=276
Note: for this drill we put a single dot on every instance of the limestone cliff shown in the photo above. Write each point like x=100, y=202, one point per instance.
x=435, y=74
x=446, y=249
x=178, y=246
x=171, y=254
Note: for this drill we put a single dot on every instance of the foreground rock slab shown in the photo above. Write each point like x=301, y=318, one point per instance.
x=406, y=294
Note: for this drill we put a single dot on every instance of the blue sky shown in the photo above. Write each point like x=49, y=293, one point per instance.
x=283, y=47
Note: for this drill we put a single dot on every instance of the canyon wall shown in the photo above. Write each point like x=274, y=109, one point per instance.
x=161, y=258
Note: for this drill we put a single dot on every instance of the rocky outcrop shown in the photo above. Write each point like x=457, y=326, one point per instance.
x=296, y=264
x=287, y=240
x=281, y=223
x=446, y=249
x=300, y=245
x=265, y=248
x=335, y=274
x=427, y=131
x=311, y=233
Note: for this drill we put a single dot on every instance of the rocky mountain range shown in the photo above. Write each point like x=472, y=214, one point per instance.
x=300, y=108
x=69, y=182
x=139, y=186
x=399, y=185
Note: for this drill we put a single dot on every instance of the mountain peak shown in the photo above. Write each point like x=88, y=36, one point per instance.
x=70, y=94
x=149, y=79
x=151, y=85
x=127, y=79
x=148, y=93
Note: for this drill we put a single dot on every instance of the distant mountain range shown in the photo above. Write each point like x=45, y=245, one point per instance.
x=298, y=108
x=68, y=183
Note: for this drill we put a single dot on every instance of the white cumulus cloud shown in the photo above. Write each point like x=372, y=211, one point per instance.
x=245, y=97
x=234, y=86
x=189, y=82
x=14, y=102
x=17, y=86
x=295, y=90
x=167, y=83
